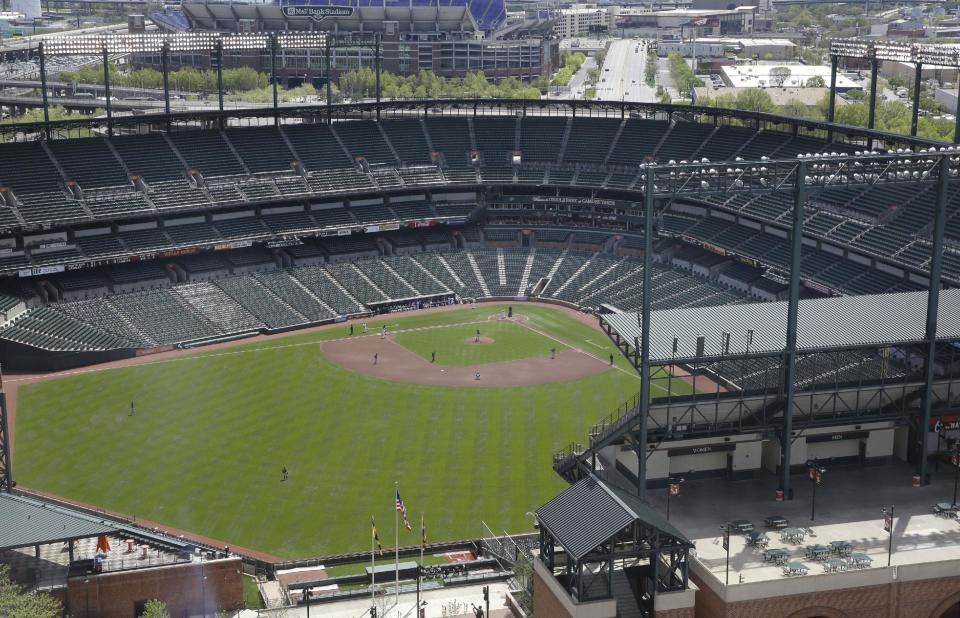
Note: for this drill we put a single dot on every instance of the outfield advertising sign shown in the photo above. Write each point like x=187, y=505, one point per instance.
x=317, y=12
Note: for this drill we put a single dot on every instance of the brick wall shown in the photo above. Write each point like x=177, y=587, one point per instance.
x=181, y=587
x=544, y=603
x=911, y=599
x=686, y=612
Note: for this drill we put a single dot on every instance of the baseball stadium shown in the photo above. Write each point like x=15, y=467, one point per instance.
x=245, y=333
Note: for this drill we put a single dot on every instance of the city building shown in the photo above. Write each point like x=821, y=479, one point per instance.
x=704, y=47
x=450, y=40
x=762, y=75
x=584, y=19
x=678, y=23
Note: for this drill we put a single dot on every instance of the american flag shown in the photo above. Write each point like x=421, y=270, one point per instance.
x=403, y=511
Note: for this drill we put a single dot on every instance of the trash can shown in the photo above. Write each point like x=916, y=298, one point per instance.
x=779, y=495
x=916, y=480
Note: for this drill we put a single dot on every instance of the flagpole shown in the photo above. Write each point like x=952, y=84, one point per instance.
x=373, y=568
x=420, y=566
x=396, y=528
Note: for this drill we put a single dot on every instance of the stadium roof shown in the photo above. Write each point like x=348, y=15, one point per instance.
x=29, y=522
x=424, y=15
x=590, y=512
x=822, y=323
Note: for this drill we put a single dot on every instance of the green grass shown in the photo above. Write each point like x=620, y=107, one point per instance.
x=212, y=430
x=251, y=594
x=455, y=345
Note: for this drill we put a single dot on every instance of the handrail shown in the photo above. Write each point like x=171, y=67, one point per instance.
x=466, y=107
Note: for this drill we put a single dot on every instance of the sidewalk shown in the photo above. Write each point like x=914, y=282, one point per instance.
x=459, y=597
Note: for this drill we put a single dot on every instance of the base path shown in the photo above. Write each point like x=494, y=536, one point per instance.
x=397, y=363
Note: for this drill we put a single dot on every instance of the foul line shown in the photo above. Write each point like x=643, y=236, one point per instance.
x=573, y=347
x=202, y=356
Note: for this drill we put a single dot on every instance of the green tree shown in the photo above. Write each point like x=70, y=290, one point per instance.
x=779, y=76
x=15, y=602
x=155, y=609
x=816, y=82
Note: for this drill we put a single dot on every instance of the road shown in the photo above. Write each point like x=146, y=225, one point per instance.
x=622, y=76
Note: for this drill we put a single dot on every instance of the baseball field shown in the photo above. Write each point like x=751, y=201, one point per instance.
x=466, y=423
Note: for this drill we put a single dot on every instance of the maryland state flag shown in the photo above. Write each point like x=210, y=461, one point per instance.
x=374, y=536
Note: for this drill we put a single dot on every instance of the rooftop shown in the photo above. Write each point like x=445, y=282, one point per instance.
x=851, y=321
x=755, y=75
x=848, y=508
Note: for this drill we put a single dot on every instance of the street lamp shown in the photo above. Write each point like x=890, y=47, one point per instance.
x=955, y=460
x=725, y=528
x=673, y=489
x=815, y=471
x=888, y=526
x=306, y=599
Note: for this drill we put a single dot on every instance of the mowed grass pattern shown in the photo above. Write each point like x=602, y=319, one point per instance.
x=212, y=431
x=455, y=346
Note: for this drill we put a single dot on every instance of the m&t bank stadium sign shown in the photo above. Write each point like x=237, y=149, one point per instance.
x=317, y=12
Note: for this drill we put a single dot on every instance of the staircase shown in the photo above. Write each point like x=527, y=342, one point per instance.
x=129, y=324
x=363, y=276
x=566, y=136
x=389, y=144
x=213, y=305
x=575, y=274
x=613, y=143
x=409, y=285
x=525, y=278
x=346, y=292
x=501, y=268
x=452, y=273
x=478, y=274
x=431, y=276
x=309, y=293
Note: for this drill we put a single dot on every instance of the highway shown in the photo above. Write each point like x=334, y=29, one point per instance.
x=622, y=76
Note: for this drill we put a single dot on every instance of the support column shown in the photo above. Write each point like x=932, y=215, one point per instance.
x=916, y=99
x=273, y=78
x=874, y=65
x=106, y=90
x=376, y=62
x=956, y=114
x=6, y=460
x=329, y=62
x=165, y=70
x=219, y=55
x=43, y=89
x=645, y=334
x=832, y=103
x=790, y=351
x=933, y=305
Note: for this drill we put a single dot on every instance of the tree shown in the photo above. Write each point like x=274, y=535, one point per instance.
x=779, y=76
x=816, y=82
x=155, y=609
x=15, y=602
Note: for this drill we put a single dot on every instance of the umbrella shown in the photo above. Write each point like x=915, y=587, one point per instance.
x=103, y=545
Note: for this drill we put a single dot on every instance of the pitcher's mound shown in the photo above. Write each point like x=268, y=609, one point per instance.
x=474, y=341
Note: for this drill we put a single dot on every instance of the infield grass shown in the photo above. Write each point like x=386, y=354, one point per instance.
x=455, y=346
x=212, y=430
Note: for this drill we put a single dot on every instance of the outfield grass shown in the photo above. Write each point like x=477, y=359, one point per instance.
x=212, y=431
x=455, y=348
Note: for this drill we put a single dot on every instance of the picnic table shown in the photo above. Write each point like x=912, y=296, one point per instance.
x=860, y=560
x=778, y=522
x=835, y=564
x=944, y=509
x=793, y=535
x=741, y=525
x=841, y=548
x=776, y=556
x=795, y=568
x=757, y=539
x=818, y=552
